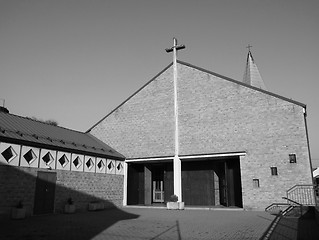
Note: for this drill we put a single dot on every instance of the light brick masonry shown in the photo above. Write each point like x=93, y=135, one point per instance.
x=216, y=115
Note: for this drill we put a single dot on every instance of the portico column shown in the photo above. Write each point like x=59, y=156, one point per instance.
x=177, y=168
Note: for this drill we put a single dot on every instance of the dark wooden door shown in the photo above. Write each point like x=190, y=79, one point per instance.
x=233, y=179
x=168, y=181
x=135, y=184
x=44, y=193
x=198, y=183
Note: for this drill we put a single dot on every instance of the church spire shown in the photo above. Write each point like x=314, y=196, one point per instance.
x=252, y=75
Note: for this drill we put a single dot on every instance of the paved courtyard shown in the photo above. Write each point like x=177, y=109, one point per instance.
x=141, y=223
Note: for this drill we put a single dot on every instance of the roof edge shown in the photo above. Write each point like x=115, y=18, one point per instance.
x=203, y=70
x=129, y=97
x=243, y=84
x=59, y=148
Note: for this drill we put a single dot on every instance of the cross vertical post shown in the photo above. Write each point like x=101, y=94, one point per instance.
x=176, y=162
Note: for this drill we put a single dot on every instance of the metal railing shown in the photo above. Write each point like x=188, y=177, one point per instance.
x=278, y=208
x=302, y=194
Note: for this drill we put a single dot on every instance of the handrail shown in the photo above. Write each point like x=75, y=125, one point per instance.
x=300, y=185
x=300, y=205
x=303, y=193
x=276, y=204
x=292, y=201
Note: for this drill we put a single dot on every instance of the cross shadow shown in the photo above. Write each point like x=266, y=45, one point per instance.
x=160, y=235
x=21, y=183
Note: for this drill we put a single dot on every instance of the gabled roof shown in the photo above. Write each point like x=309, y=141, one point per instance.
x=209, y=72
x=22, y=130
x=252, y=76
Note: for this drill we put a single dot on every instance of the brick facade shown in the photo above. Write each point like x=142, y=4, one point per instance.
x=222, y=116
x=216, y=115
x=19, y=183
x=144, y=125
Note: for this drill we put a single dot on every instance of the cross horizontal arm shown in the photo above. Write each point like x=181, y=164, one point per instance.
x=179, y=47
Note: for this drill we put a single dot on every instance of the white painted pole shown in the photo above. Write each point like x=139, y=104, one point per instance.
x=177, y=168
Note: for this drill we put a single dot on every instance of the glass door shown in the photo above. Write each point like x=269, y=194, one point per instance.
x=158, y=191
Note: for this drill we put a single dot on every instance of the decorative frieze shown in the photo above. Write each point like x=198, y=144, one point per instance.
x=29, y=157
x=77, y=163
x=48, y=158
x=9, y=154
x=26, y=156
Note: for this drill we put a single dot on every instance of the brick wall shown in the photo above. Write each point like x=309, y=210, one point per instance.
x=215, y=116
x=18, y=183
x=144, y=125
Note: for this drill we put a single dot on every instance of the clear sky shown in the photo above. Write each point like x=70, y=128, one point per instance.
x=74, y=61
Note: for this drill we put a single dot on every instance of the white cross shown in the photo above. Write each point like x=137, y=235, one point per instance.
x=174, y=49
x=249, y=47
x=176, y=161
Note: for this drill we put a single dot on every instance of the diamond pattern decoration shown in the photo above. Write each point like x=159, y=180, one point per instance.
x=77, y=162
x=119, y=167
x=48, y=158
x=89, y=163
x=63, y=160
x=9, y=154
x=30, y=156
x=101, y=165
x=110, y=166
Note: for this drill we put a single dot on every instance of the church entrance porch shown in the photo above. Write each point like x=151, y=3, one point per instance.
x=149, y=183
x=205, y=182
x=212, y=182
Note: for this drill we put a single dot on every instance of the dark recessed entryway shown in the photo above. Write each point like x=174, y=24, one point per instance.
x=209, y=182
x=212, y=182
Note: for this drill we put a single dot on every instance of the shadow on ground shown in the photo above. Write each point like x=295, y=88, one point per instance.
x=45, y=192
x=293, y=226
x=79, y=226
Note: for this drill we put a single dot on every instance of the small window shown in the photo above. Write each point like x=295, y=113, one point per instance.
x=292, y=158
x=256, y=183
x=274, y=171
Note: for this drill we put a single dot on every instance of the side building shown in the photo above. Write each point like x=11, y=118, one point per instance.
x=44, y=165
x=239, y=144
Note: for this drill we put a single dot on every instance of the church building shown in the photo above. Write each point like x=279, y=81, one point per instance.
x=209, y=139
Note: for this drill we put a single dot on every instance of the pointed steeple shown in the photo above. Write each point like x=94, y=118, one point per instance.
x=252, y=75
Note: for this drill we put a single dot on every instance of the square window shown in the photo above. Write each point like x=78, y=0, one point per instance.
x=274, y=171
x=256, y=183
x=292, y=158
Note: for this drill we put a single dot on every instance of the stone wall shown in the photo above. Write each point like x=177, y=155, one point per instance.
x=18, y=183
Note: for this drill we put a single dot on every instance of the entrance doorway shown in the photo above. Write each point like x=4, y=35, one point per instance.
x=149, y=183
x=158, y=184
x=212, y=182
x=44, y=193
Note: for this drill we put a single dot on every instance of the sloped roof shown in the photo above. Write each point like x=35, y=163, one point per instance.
x=252, y=76
x=22, y=130
x=209, y=72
